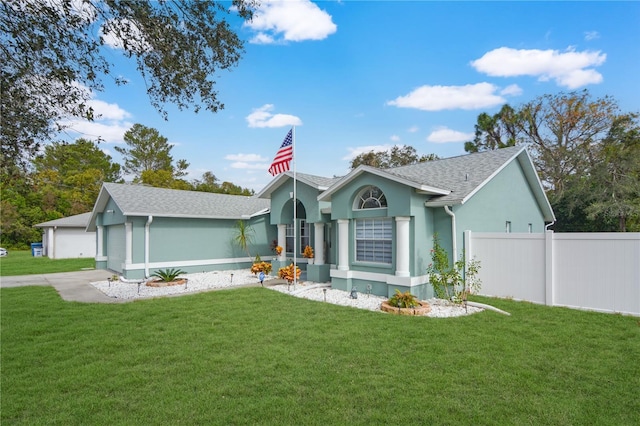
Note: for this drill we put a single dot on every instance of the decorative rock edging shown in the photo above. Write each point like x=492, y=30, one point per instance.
x=179, y=281
x=423, y=309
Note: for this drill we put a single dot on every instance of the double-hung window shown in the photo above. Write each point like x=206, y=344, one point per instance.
x=374, y=240
x=290, y=236
x=303, y=232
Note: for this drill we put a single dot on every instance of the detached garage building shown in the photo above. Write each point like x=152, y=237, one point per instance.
x=67, y=238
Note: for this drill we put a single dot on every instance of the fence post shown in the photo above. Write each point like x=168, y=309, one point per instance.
x=466, y=246
x=548, y=264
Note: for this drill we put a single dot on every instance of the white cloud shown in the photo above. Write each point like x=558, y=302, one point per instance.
x=245, y=157
x=511, y=90
x=395, y=138
x=446, y=135
x=106, y=111
x=436, y=98
x=591, y=35
x=109, y=132
x=109, y=125
x=569, y=69
x=263, y=117
x=413, y=129
x=354, y=152
x=127, y=28
x=298, y=20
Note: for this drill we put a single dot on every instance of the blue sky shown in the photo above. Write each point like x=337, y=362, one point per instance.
x=359, y=75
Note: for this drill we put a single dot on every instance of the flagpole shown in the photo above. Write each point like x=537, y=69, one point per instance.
x=295, y=213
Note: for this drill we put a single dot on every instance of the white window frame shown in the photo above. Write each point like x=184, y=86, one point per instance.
x=289, y=236
x=374, y=240
x=304, y=236
x=368, y=194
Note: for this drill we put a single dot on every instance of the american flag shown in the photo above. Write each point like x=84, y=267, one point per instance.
x=281, y=163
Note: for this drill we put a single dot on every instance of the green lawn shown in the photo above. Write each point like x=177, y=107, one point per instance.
x=22, y=263
x=256, y=356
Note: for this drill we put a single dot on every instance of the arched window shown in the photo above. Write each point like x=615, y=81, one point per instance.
x=371, y=197
x=373, y=236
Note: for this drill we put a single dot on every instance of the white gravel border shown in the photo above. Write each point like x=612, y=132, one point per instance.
x=204, y=281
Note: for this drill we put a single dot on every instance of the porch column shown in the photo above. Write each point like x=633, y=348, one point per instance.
x=99, y=239
x=402, y=246
x=343, y=244
x=128, y=243
x=282, y=240
x=318, y=242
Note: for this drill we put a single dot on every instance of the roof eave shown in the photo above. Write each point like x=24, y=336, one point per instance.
x=531, y=176
x=422, y=189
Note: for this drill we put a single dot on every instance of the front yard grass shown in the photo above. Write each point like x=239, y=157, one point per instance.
x=21, y=262
x=256, y=356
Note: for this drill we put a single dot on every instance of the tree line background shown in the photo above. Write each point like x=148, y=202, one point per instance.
x=586, y=152
x=52, y=56
x=65, y=180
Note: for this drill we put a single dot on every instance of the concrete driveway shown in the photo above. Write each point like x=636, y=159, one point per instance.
x=72, y=286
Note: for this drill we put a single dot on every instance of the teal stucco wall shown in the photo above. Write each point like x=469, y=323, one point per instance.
x=506, y=198
x=193, y=245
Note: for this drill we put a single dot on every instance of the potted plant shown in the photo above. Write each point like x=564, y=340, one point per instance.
x=278, y=250
x=405, y=304
x=308, y=254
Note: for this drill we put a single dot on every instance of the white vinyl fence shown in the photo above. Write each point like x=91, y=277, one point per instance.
x=593, y=271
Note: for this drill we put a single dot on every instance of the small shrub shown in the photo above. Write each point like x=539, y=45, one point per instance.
x=403, y=300
x=451, y=282
x=168, y=275
x=265, y=267
x=287, y=273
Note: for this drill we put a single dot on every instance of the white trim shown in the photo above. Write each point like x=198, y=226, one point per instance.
x=424, y=189
x=188, y=263
x=343, y=244
x=402, y=246
x=318, y=242
x=276, y=183
x=491, y=176
x=378, y=277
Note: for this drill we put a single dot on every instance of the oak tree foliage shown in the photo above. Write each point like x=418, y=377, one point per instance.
x=396, y=156
x=585, y=150
x=55, y=53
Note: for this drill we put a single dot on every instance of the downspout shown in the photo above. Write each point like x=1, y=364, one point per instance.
x=454, y=244
x=146, y=246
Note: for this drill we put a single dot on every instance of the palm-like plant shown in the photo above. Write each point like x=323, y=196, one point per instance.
x=244, y=236
x=168, y=275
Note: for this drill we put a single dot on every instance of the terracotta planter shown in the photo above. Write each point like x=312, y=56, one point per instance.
x=156, y=283
x=423, y=309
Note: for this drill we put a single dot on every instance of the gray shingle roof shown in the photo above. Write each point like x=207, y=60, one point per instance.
x=76, y=221
x=461, y=175
x=319, y=181
x=140, y=200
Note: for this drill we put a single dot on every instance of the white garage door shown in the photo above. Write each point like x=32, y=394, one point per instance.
x=115, y=247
